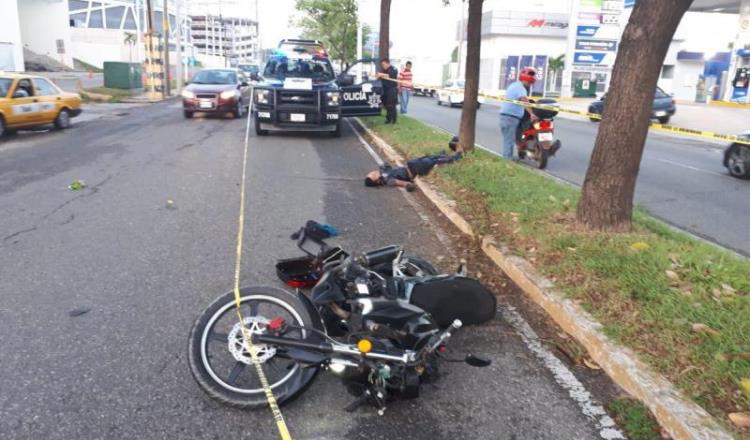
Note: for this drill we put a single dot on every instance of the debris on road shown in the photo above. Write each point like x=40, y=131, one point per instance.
x=77, y=185
x=78, y=311
x=170, y=205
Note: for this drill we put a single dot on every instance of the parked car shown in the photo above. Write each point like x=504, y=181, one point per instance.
x=663, y=107
x=27, y=101
x=452, y=94
x=737, y=158
x=217, y=91
x=249, y=69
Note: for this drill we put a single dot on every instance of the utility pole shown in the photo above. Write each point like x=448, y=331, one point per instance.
x=150, y=46
x=178, y=65
x=359, y=45
x=165, y=28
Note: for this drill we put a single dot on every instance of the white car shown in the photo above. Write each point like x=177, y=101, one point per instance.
x=452, y=94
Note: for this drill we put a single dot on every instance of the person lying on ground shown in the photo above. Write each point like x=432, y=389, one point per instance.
x=403, y=177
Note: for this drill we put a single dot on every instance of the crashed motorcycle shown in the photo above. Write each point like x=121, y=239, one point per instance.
x=381, y=329
x=538, y=141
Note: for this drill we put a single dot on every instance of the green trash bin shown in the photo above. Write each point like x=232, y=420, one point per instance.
x=584, y=88
x=119, y=75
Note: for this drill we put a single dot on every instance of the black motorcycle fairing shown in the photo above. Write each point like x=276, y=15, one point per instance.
x=327, y=291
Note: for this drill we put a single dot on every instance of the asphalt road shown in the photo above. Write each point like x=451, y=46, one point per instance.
x=682, y=181
x=142, y=271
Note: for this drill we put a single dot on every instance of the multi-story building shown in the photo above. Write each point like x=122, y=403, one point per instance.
x=100, y=29
x=230, y=40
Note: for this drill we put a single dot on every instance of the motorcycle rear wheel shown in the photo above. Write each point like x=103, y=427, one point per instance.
x=542, y=159
x=221, y=364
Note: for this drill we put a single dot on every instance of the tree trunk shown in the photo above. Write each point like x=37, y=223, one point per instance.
x=607, y=196
x=385, y=25
x=471, y=90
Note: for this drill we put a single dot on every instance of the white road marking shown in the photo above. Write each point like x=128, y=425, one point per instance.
x=563, y=376
x=689, y=167
x=608, y=430
x=369, y=149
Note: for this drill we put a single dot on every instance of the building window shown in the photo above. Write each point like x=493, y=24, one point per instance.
x=114, y=16
x=78, y=20
x=130, y=20
x=667, y=72
x=96, y=20
x=74, y=5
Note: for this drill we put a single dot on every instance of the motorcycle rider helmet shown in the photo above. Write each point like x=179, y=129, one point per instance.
x=527, y=74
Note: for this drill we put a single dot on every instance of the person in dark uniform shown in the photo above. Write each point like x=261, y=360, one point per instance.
x=389, y=76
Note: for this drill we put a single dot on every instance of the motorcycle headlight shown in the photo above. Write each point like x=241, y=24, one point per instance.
x=332, y=98
x=188, y=94
x=229, y=94
x=262, y=96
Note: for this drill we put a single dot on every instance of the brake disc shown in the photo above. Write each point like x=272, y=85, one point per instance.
x=256, y=325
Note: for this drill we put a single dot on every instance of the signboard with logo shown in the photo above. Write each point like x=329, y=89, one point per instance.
x=525, y=23
x=511, y=71
x=589, y=44
x=540, y=65
x=596, y=58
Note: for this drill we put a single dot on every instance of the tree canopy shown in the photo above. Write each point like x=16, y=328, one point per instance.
x=334, y=22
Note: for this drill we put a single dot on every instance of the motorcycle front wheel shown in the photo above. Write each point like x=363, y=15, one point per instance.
x=220, y=361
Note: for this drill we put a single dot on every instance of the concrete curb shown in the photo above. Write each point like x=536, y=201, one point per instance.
x=680, y=417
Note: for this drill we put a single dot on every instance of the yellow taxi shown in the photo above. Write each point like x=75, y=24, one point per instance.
x=27, y=101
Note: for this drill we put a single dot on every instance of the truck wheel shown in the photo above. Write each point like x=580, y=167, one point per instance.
x=62, y=121
x=337, y=132
x=2, y=126
x=187, y=114
x=258, y=130
x=664, y=120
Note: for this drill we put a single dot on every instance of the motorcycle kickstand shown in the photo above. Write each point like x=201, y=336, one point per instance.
x=359, y=401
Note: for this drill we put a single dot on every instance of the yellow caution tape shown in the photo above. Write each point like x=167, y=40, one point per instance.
x=280, y=423
x=656, y=126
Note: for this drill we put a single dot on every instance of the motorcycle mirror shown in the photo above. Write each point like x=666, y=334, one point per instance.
x=477, y=361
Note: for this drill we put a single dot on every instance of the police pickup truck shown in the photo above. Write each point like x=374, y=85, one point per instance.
x=297, y=90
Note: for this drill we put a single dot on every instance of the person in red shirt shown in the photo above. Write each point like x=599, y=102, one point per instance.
x=405, y=86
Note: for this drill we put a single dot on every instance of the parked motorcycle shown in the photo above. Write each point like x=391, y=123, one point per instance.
x=538, y=138
x=383, y=334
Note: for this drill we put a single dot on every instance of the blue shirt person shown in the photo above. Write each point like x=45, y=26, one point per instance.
x=511, y=114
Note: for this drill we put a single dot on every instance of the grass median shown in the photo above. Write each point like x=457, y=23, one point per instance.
x=683, y=305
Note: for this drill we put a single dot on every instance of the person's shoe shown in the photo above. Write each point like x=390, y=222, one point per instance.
x=410, y=187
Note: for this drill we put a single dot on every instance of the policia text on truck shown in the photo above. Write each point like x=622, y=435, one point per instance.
x=298, y=91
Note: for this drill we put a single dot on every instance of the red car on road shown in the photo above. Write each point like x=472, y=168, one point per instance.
x=217, y=91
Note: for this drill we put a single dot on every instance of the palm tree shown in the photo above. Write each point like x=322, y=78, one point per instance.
x=555, y=65
x=130, y=40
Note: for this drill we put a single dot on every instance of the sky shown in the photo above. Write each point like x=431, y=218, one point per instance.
x=426, y=29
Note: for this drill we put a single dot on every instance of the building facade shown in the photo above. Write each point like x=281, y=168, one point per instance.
x=521, y=34
x=11, y=48
x=111, y=30
x=228, y=40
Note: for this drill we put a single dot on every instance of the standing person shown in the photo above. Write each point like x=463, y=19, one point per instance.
x=389, y=77
x=405, y=86
x=512, y=114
